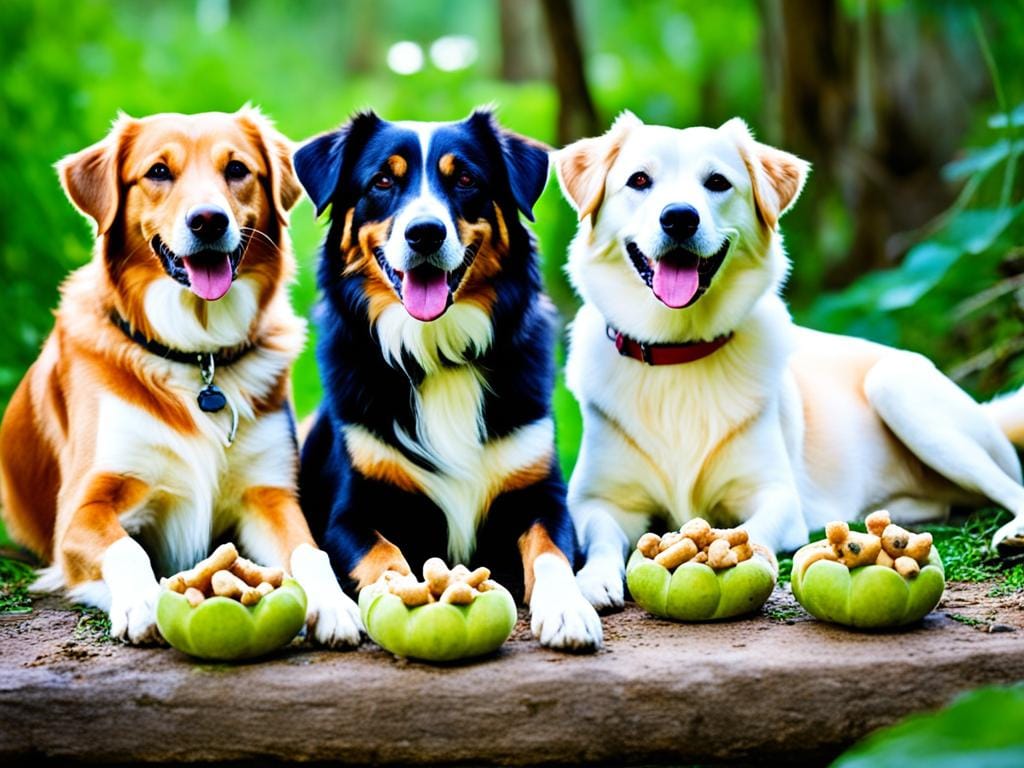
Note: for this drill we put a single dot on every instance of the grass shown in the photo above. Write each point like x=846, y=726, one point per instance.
x=784, y=614
x=15, y=578
x=93, y=625
x=970, y=621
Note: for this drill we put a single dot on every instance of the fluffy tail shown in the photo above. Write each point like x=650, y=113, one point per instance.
x=1008, y=412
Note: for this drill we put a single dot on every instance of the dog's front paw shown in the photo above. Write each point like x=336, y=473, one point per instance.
x=600, y=581
x=1008, y=541
x=566, y=622
x=560, y=615
x=335, y=623
x=133, y=618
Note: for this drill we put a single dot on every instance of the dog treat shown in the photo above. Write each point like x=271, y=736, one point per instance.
x=906, y=566
x=226, y=584
x=699, y=530
x=458, y=585
x=720, y=555
x=669, y=540
x=649, y=545
x=735, y=536
x=458, y=593
x=886, y=544
x=478, y=576
x=877, y=522
x=825, y=553
x=436, y=574
x=201, y=573
x=225, y=574
x=677, y=554
x=697, y=541
x=254, y=575
x=836, y=532
x=412, y=592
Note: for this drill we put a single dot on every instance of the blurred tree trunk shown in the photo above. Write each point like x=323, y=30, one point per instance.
x=576, y=114
x=878, y=105
x=517, y=21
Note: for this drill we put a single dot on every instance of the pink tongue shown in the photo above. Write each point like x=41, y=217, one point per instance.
x=425, y=292
x=674, y=283
x=209, y=277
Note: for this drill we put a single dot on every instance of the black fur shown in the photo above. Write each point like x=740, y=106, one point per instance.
x=362, y=387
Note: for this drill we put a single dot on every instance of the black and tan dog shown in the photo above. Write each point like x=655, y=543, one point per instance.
x=436, y=352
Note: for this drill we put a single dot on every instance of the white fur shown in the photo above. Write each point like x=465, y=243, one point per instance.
x=133, y=591
x=171, y=312
x=473, y=470
x=779, y=430
x=560, y=616
x=332, y=614
x=427, y=203
x=463, y=332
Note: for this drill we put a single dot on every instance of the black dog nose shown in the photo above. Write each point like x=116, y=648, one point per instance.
x=207, y=222
x=425, y=234
x=680, y=221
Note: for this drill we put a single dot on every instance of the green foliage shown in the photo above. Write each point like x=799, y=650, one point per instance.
x=93, y=625
x=15, y=578
x=981, y=729
x=966, y=554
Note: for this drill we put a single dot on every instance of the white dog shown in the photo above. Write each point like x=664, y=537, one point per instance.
x=701, y=397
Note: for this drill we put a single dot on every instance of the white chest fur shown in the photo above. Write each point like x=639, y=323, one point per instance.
x=669, y=419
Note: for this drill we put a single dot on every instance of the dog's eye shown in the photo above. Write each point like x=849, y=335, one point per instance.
x=716, y=182
x=159, y=172
x=465, y=180
x=383, y=181
x=639, y=180
x=236, y=170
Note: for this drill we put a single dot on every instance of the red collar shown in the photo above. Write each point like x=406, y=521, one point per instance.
x=666, y=354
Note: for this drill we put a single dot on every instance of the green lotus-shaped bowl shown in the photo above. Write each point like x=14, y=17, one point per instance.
x=696, y=592
x=871, y=596
x=437, y=631
x=223, y=629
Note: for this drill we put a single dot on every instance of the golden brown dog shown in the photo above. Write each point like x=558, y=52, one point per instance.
x=157, y=418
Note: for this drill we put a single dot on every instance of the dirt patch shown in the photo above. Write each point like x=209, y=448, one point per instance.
x=753, y=690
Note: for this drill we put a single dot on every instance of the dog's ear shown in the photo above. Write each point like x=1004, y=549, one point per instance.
x=318, y=162
x=91, y=177
x=277, y=151
x=525, y=159
x=777, y=176
x=582, y=166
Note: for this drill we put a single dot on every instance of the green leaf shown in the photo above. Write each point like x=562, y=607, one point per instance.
x=1016, y=117
x=981, y=160
x=982, y=729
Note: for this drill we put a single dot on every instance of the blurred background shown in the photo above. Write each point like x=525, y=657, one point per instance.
x=909, y=231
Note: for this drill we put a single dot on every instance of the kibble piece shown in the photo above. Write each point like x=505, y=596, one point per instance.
x=877, y=522
x=194, y=596
x=413, y=593
x=254, y=575
x=919, y=547
x=699, y=530
x=226, y=584
x=813, y=556
x=477, y=576
x=458, y=593
x=669, y=540
x=858, y=549
x=720, y=555
x=677, y=554
x=649, y=545
x=907, y=567
x=459, y=572
x=743, y=551
x=837, y=532
x=437, y=575
x=895, y=540
x=735, y=536
x=884, y=560
x=201, y=574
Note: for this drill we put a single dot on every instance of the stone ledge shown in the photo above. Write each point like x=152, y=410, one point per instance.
x=745, y=690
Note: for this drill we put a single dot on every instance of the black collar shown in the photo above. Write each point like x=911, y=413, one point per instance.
x=221, y=357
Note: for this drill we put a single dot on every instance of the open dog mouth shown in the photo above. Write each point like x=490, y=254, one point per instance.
x=208, y=274
x=680, y=277
x=426, y=291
